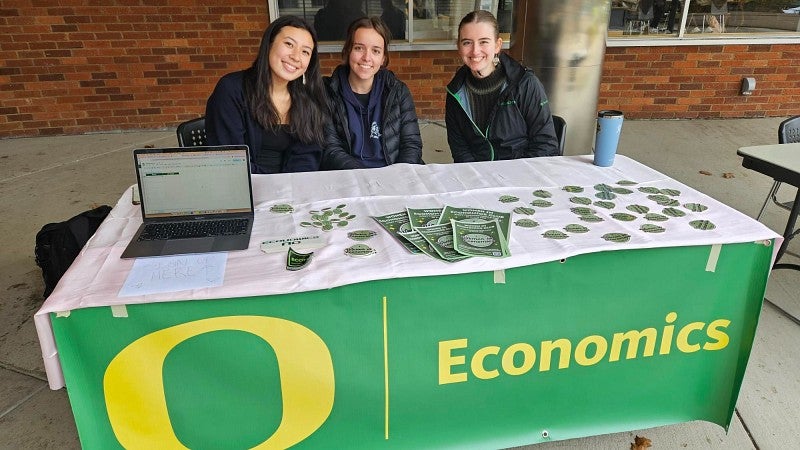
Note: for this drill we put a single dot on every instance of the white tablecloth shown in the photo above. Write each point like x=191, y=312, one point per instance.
x=98, y=273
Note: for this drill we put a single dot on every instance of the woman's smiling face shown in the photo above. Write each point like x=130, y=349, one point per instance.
x=290, y=53
x=477, y=45
x=367, y=55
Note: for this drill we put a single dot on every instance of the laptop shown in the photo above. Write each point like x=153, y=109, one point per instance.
x=193, y=200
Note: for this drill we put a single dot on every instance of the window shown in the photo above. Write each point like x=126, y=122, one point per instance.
x=413, y=22
x=704, y=19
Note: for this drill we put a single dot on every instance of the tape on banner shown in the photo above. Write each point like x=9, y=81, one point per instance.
x=119, y=311
x=713, y=257
x=63, y=313
x=500, y=276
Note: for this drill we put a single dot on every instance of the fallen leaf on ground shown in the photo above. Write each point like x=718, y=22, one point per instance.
x=641, y=443
x=705, y=172
x=727, y=175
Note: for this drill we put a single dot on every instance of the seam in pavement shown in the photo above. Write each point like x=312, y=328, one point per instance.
x=22, y=401
x=747, y=430
x=127, y=147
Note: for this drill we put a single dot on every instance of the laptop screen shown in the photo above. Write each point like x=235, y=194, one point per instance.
x=194, y=181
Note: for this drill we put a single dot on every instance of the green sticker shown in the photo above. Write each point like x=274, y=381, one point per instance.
x=526, y=223
x=671, y=192
x=650, y=228
x=581, y=200
x=582, y=210
x=695, y=207
x=524, y=210
x=702, y=225
x=575, y=228
x=590, y=218
x=296, y=260
x=555, y=234
x=574, y=189
x=638, y=209
x=617, y=237
x=361, y=235
x=625, y=217
x=359, y=250
x=621, y=191
x=673, y=212
x=605, y=195
x=649, y=190
x=508, y=199
x=602, y=187
x=626, y=183
x=542, y=194
x=603, y=204
x=541, y=203
x=281, y=208
x=653, y=217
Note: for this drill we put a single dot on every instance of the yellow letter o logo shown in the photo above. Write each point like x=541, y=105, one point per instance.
x=134, y=389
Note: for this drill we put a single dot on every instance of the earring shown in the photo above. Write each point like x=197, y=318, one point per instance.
x=304, y=78
x=496, y=60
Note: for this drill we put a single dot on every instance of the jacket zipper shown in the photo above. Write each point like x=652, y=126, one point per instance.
x=485, y=136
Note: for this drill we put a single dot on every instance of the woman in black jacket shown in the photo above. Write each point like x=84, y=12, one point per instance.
x=373, y=120
x=495, y=108
x=276, y=107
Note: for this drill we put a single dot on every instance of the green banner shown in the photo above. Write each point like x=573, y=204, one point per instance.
x=598, y=343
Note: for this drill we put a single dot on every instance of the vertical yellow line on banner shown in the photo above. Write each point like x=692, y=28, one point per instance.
x=386, y=371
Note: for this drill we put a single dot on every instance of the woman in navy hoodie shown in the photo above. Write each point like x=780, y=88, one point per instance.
x=276, y=107
x=374, y=122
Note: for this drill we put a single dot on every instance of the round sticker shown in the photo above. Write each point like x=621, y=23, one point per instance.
x=281, y=208
x=359, y=250
x=361, y=235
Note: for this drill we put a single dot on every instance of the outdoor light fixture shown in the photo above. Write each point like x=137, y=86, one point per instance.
x=748, y=86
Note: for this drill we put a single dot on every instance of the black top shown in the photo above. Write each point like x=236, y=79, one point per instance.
x=483, y=94
x=270, y=156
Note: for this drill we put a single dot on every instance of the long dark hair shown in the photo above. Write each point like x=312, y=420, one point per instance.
x=306, y=117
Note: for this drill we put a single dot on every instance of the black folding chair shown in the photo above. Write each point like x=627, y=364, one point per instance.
x=192, y=133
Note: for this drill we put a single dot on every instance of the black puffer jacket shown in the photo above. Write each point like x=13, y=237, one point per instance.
x=520, y=125
x=400, y=138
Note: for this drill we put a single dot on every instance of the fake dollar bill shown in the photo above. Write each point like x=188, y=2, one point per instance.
x=484, y=238
x=476, y=214
x=395, y=223
x=441, y=239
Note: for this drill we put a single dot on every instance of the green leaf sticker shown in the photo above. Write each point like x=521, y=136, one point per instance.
x=626, y=183
x=695, y=207
x=606, y=195
x=602, y=187
x=306, y=224
x=361, y=235
x=650, y=228
x=673, y=212
x=590, y=218
x=649, y=190
x=617, y=237
x=638, y=209
x=524, y=210
x=702, y=225
x=542, y=194
x=606, y=205
x=281, y=208
x=625, y=217
x=342, y=206
x=621, y=191
x=555, y=234
x=359, y=250
x=671, y=192
x=526, y=223
x=574, y=189
x=575, y=228
x=508, y=199
x=581, y=200
x=541, y=203
x=653, y=217
x=582, y=210
x=659, y=198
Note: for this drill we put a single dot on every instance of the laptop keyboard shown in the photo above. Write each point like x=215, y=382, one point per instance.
x=193, y=229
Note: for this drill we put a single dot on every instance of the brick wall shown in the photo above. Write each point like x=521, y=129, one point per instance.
x=81, y=66
x=701, y=81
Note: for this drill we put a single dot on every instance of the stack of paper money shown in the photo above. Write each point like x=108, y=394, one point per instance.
x=450, y=234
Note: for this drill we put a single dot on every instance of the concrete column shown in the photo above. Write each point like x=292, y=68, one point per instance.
x=564, y=41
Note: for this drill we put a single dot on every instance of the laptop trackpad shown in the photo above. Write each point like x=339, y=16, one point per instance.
x=193, y=245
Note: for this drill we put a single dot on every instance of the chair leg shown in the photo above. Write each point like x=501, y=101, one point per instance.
x=771, y=195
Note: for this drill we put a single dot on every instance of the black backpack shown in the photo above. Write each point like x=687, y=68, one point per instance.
x=57, y=244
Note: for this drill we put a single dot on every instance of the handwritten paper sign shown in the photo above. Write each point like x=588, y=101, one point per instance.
x=175, y=273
